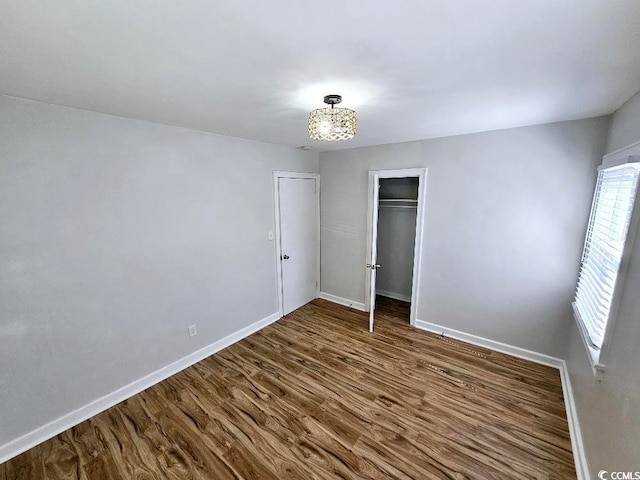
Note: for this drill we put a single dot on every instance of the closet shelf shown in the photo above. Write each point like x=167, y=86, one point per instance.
x=412, y=207
x=405, y=200
x=398, y=203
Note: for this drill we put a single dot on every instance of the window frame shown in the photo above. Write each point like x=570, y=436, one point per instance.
x=598, y=358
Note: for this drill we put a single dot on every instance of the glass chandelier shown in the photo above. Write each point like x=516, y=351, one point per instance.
x=331, y=123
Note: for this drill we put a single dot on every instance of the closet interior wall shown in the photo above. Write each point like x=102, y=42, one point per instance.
x=396, y=236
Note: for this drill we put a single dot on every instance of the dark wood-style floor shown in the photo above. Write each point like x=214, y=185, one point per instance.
x=316, y=396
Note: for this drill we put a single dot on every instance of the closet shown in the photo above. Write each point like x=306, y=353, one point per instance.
x=397, y=213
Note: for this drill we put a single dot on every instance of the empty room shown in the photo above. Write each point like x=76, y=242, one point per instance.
x=318, y=240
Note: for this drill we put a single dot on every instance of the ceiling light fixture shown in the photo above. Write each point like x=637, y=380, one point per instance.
x=331, y=123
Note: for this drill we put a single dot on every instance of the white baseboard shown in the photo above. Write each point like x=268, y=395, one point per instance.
x=579, y=457
x=491, y=344
x=342, y=301
x=395, y=296
x=577, y=446
x=53, y=428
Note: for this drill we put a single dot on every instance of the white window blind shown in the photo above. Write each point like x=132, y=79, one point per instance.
x=606, y=235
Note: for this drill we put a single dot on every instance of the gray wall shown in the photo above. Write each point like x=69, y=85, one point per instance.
x=625, y=125
x=396, y=237
x=505, y=219
x=115, y=236
x=609, y=412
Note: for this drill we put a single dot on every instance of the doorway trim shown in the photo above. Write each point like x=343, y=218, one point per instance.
x=278, y=232
x=375, y=175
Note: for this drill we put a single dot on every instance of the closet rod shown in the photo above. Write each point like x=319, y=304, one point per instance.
x=399, y=206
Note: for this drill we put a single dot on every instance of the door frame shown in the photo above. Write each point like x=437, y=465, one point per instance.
x=374, y=177
x=278, y=232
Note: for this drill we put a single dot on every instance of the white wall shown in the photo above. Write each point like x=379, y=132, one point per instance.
x=504, y=226
x=609, y=412
x=396, y=237
x=115, y=236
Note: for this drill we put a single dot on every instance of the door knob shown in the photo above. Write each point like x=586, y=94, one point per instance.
x=372, y=266
x=285, y=257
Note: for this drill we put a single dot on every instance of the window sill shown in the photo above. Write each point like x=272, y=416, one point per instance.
x=594, y=355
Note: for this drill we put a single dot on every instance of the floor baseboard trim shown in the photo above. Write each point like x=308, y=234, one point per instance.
x=395, y=296
x=342, y=301
x=579, y=457
x=491, y=344
x=59, y=425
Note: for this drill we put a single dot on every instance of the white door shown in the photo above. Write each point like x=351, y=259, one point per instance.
x=298, y=241
x=372, y=265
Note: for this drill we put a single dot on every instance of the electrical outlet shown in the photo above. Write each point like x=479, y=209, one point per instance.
x=192, y=331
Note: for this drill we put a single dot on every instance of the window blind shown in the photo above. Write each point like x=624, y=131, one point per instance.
x=604, y=244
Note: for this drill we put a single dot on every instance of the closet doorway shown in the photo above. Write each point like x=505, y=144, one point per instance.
x=394, y=239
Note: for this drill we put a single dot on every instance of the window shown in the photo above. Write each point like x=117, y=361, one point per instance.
x=598, y=283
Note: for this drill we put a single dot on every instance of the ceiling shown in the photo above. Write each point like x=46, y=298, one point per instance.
x=412, y=69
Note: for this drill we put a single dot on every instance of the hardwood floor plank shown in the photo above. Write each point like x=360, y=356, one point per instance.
x=191, y=455
x=102, y=467
x=247, y=464
x=60, y=460
x=27, y=466
x=315, y=395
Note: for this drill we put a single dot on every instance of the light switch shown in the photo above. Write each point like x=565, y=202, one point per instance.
x=270, y=235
